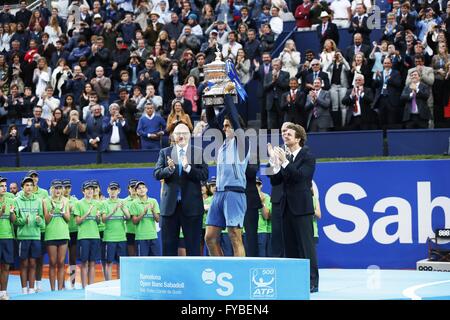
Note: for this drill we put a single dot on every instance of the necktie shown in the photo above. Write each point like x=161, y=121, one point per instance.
x=292, y=95
x=290, y=158
x=315, y=75
x=414, y=104
x=356, y=107
x=180, y=166
x=324, y=27
x=357, y=49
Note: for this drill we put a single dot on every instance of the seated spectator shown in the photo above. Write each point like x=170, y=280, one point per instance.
x=56, y=138
x=48, y=103
x=176, y=116
x=150, y=128
x=36, y=131
x=11, y=142
x=75, y=130
x=124, y=83
x=115, y=129
x=315, y=73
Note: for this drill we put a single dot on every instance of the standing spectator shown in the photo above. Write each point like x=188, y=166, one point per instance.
x=267, y=38
x=275, y=85
x=360, y=66
x=128, y=109
x=150, y=128
x=441, y=67
x=416, y=113
x=153, y=29
x=357, y=47
x=77, y=84
x=252, y=46
x=190, y=92
x=318, y=103
x=315, y=73
x=406, y=19
x=23, y=15
x=56, y=138
x=120, y=57
x=29, y=102
x=358, y=100
x=187, y=105
x=11, y=141
x=276, y=23
x=60, y=76
x=141, y=12
x=359, y=23
x=342, y=12
x=149, y=74
x=48, y=103
x=327, y=30
x=176, y=116
x=290, y=58
x=175, y=27
x=81, y=51
x=102, y=86
x=388, y=85
x=69, y=105
x=41, y=76
x=59, y=53
x=100, y=55
x=303, y=22
x=115, y=129
x=150, y=97
x=94, y=128
x=391, y=28
x=327, y=55
x=36, y=131
x=293, y=104
x=198, y=72
x=53, y=29
x=260, y=74
x=338, y=71
x=13, y=106
x=75, y=130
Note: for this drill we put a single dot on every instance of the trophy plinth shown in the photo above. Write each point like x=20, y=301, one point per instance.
x=215, y=73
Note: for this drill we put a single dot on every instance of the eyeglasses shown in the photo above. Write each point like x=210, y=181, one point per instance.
x=315, y=64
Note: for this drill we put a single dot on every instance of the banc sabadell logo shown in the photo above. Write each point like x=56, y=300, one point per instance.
x=262, y=282
x=226, y=287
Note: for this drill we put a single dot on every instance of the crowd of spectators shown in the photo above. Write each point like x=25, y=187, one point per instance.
x=112, y=75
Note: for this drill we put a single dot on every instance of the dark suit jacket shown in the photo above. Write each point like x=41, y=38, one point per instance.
x=37, y=134
x=362, y=28
x=394, y=87
x=322, y=104
x=410, y=23
x=295, y=109
x=260, y=76
x=275, y=90
x=350, y=52
x=365, y=102
x=251, y=192
x=94, y=128
x=330, y=33
x=291, y=186
x=322, y=75
x=107, y=132
x=188, y=183
x=421, y=101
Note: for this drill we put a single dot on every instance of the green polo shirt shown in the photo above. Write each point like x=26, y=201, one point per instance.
x=146, y=228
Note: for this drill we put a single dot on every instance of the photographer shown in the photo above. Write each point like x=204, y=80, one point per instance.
x=11, y=141
x=74, y=130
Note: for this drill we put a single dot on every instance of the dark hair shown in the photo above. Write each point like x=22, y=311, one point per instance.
x=300, y=133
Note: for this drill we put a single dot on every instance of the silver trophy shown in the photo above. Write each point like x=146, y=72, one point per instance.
x=217, y=78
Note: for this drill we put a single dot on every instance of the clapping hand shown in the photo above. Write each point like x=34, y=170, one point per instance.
x=170, y=163
x=184, y=162
x=280, y=154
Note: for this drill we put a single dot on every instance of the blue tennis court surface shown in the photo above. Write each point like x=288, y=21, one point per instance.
x=353, y=284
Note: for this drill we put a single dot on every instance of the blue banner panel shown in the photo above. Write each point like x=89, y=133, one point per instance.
x=209, y=278
x=130, y=156
x=346, y=144
x=29, y=159
x=418, y=141
x=373, y=212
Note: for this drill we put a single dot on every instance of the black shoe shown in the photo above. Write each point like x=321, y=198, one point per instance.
x=314, y=289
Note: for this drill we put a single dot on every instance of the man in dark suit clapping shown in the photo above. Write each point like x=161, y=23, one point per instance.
x=182, y=168
x=293, y=170
x=293, y=104
x=415, y=95
x=327, y=30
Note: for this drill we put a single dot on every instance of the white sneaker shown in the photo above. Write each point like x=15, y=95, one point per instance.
x=4, y=297
x=38, y=290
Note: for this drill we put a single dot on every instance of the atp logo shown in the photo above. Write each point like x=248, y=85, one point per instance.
x=263, y=283
x=226, y=287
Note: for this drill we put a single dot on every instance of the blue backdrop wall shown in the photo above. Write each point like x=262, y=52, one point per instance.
x=373, y=213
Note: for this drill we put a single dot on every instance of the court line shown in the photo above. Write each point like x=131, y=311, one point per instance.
x=411, y=291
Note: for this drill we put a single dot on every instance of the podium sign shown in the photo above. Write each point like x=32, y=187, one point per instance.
x=211, y=278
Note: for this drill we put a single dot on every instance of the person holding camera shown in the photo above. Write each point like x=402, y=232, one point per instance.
x=11, y=142
x=73, y=130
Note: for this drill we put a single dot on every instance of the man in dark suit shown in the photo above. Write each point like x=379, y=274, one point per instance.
x=115, y=129
x=94, y=128
x=293, y=104
x=406, y=19
x=260, y=74
x=182, y=168
x=293, y=170
x=315, y=73
x=37, y=132
x=416, y=113
x=356, y=47
x=358, y=24
x=358, y=100
x=388, y=86
x=252, y=214
x=275, y=85
x=327, y=30
x=318, y=104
